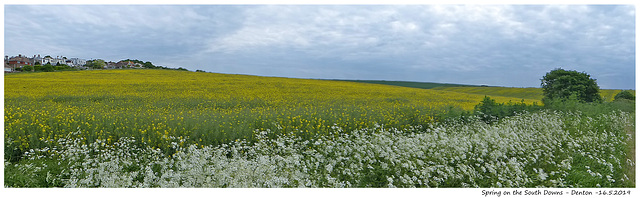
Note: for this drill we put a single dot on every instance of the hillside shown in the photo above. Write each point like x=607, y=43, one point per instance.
x=161, y=128
x=525, y=93
x=208, y=108
x=514, y=92
x=421, y=85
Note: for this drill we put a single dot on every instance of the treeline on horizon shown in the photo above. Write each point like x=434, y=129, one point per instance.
x=93, y=64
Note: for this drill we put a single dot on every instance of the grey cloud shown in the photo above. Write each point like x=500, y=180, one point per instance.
x=496, y=45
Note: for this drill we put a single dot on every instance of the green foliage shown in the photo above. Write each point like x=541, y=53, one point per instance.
x=49, y=175
x=96, y=64
x=27, y=68
x=590, y=109
x=148, y=65
x=45, y=68
x=625, y=95
x=562, y=84
x=134, y=61
x=48, y=68
x=61, y=67
x=490, y=111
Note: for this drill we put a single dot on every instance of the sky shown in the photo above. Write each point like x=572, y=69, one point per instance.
x=497, y=45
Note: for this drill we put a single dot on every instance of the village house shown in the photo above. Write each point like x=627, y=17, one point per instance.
x=129, y=64
x=20, y=60
x=10, y=64
x=76, y=62
x=54, y=61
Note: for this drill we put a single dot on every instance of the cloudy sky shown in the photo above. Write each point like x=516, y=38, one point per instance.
x=501, y=45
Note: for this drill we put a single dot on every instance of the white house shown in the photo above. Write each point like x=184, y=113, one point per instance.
x=74, y=62
x=52, y=61
x=77, y=62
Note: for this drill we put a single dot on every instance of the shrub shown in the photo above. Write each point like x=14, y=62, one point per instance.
x=27, y=68
x=625, y=95
x=48, y=68
x=490, y=111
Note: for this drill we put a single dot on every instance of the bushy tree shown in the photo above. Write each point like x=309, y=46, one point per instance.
x=148, y=65
x=27, y=68
x=48, y=68
x=625, y=95
x=96, y=64
x=561, y=84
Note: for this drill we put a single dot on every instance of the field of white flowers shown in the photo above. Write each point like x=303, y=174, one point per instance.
x=542, y=149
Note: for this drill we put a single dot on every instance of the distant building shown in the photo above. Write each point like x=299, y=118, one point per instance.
x=53, y=61
x=111, y=65
x=36, y=60
x=19, y=61
x=128, y=64
x=73, y=62
x=76, y=62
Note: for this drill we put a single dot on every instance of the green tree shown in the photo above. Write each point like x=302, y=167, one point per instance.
x=624, y=95
x=96, y=64
x=48, y=68
x=561, y=84
x=148, y=65
x=488, y=110
x=27, y=68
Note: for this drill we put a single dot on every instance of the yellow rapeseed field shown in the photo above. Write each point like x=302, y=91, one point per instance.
x=157, y=107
